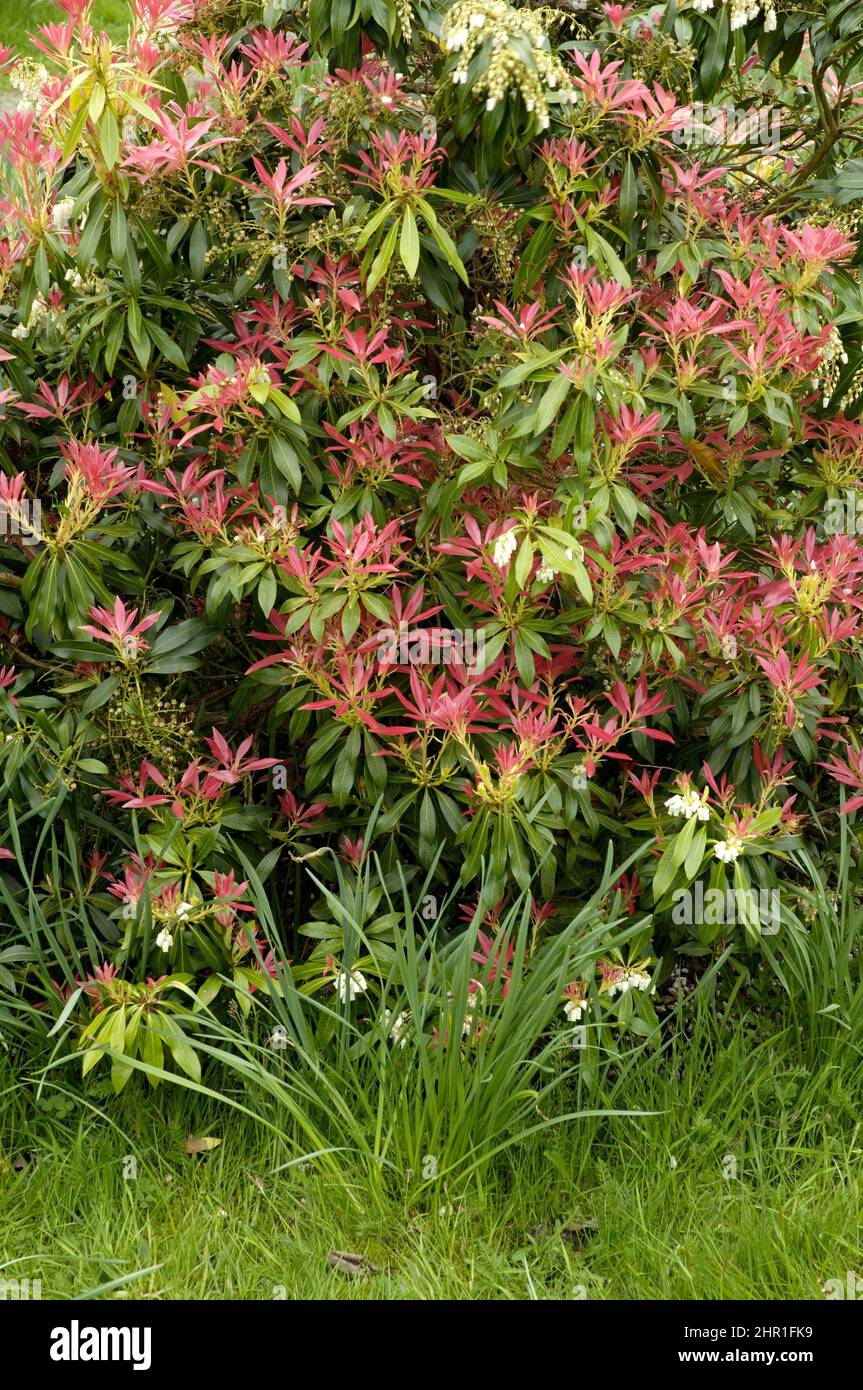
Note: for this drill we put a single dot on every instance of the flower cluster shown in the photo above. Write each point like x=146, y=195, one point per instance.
x=520, y=63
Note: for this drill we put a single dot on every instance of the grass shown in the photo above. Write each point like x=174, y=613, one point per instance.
x=635, y=1208
x=722, y=1164
x=17, y=21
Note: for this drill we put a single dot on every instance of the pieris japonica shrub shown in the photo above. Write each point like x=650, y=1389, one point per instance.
x=431, y=431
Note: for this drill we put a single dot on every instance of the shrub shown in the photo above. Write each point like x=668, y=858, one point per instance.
x=429, y=432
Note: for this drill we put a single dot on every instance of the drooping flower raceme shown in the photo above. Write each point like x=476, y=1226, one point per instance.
x=471, y=24
x=350, y=984
x=687, y=804
x=727, y=851
x=504, y=548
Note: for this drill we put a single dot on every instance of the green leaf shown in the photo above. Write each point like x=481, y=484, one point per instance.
x=207, y=993
x=553, y=398
x=174, y=649
x=683, y=842
x=523, y=562
x=340, y=18
x=714, y=59
x=603, y=251
x=628, y=193
x=180, y=1048
x=286, y=461
x=267, y=591
x=448, y=247
x=382, y=259
x=114, y=342
x=344, y=771
x=198, y=250
x=97, y=103
x=166, y=345
x=409, y=245
x=468, y=448
x=695, y=854
x=376, y=221
x=109, y=138
x=88, y=246
x=119, y=231
x=138, y=335
x=666, y=872
x=567, y=564
x=93, y=765
x=70, y=144
x=667, y=258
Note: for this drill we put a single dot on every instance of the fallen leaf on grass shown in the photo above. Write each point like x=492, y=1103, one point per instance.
x=349, y=1263
x=202, y=1145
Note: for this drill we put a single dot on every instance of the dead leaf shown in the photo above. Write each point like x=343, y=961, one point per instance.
x=348, y=1263
x=706, y=459
x=201, y=1145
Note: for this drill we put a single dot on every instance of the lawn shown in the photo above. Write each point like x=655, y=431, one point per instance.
x=17, y=21
x=743, y=1184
